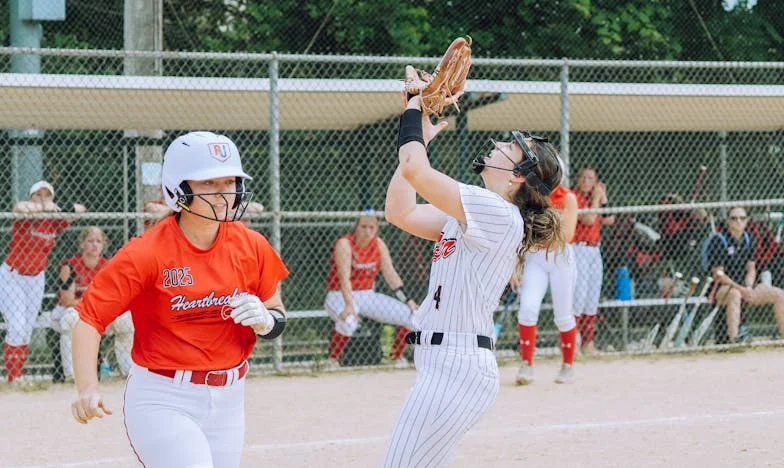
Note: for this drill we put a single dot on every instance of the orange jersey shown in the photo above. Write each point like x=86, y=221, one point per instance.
x=365, y=263
x=31, y=242
x=584, y=232
x=557, y=197
x=176, y=293
x=81, y=273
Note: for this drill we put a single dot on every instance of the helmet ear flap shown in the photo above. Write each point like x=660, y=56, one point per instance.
x=240, y=189
x=186, y=195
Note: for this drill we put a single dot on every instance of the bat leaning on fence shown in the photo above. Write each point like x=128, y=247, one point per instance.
x=672, y=288
x=673, y=327
x=699, y=333
x=499, y=323
x=688, y=320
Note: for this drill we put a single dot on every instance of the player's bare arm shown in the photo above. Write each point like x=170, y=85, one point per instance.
x=391, y=277
x=89, y=401
x=402, y=210
x=342, y=254
x=751, y=274
x=435, y=187
x=569, y=217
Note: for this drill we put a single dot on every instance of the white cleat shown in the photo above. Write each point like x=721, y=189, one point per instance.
x=525, y=375
x=401, y=363
x=331, y=365
x=566, y=374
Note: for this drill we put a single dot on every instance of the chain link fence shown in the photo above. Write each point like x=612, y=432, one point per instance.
x=676, y=144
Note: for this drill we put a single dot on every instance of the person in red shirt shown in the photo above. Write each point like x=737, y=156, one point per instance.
x=200, y=289
x=75, y=274
x=591, y=193
x=356, y=260
x=22, y=274
x=558, y=268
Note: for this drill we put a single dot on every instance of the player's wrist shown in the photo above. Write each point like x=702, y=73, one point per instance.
x=279, y=324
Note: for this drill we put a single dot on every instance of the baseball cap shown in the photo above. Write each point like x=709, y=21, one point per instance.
x=41, y=184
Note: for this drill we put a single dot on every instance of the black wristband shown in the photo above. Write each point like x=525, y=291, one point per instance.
x=410, y=128
x=401, y=295
x=280, y=324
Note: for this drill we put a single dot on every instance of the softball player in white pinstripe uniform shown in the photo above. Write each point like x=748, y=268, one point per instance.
x=481, y=234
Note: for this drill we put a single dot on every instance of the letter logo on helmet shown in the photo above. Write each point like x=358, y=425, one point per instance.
x=203, y=156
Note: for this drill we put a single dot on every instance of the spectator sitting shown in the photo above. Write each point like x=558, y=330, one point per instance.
x=357, y=258
x=731, y=259
x=22, y=274
x=75, y=274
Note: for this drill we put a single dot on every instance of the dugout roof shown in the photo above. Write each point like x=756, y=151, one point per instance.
x=148, y=103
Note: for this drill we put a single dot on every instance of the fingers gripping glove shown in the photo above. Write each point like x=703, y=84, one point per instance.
x=251, y=312
x=446, y=84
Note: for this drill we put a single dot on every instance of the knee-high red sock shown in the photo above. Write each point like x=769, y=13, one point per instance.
x=15, y=357
x=527, y=342
x=568, y=343
x=337, y=344
x=589, y=324
x=399, y=345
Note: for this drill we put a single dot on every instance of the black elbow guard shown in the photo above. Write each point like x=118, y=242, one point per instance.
x=280, y=324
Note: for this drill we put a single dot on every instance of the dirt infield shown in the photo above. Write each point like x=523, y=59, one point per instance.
x=717, y=410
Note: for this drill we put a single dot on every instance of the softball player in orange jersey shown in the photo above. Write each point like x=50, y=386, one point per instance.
x=560, y=272
x=481, y=235
x=200, y=288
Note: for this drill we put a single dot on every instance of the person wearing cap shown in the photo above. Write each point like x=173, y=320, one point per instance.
x=356, y=260
x=201, y=289
x=22, y=273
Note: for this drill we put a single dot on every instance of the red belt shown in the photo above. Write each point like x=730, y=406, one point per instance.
x=213, y=378
x=589, y=243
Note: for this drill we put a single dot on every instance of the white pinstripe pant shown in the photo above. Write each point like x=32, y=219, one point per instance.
x=456, y=383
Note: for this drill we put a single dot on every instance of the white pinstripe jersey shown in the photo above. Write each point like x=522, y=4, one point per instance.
x=471, y=265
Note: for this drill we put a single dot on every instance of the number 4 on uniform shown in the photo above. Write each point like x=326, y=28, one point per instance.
x=437, y=296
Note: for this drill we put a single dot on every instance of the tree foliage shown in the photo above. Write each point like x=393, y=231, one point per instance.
x=590, y=29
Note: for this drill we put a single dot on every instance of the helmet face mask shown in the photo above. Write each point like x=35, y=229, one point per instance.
x=198, y=156
x=228, y=212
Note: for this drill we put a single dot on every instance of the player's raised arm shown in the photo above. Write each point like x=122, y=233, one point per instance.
x=415, y=175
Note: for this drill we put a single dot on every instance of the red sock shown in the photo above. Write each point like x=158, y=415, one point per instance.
x=578, y=319
x=15, y=357
x=589, y=324
x=399, y=345
x=337, y=344
x=527, y=342
x=568, y=343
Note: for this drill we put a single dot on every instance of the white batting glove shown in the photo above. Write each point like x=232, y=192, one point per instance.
x=251, y=312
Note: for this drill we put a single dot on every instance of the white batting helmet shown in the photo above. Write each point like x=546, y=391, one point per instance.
x=199, y=156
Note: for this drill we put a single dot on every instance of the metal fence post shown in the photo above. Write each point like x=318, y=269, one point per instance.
x=564, y=150
x=274, y=152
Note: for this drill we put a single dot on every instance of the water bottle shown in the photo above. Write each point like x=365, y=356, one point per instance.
x=623, y=284
x=105, y=370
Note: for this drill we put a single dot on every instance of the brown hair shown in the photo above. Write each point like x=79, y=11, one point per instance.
x=542, y=223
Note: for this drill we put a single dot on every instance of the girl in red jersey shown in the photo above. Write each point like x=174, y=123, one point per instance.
x=75, y=274
x=200, y=289
x=355, y=263
x=559, y=270
x=22, y=274
x=587, y=241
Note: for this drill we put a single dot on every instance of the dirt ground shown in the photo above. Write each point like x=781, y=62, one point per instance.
x=702, y=410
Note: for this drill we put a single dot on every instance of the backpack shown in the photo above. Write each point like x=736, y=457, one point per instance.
x=706, y=243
